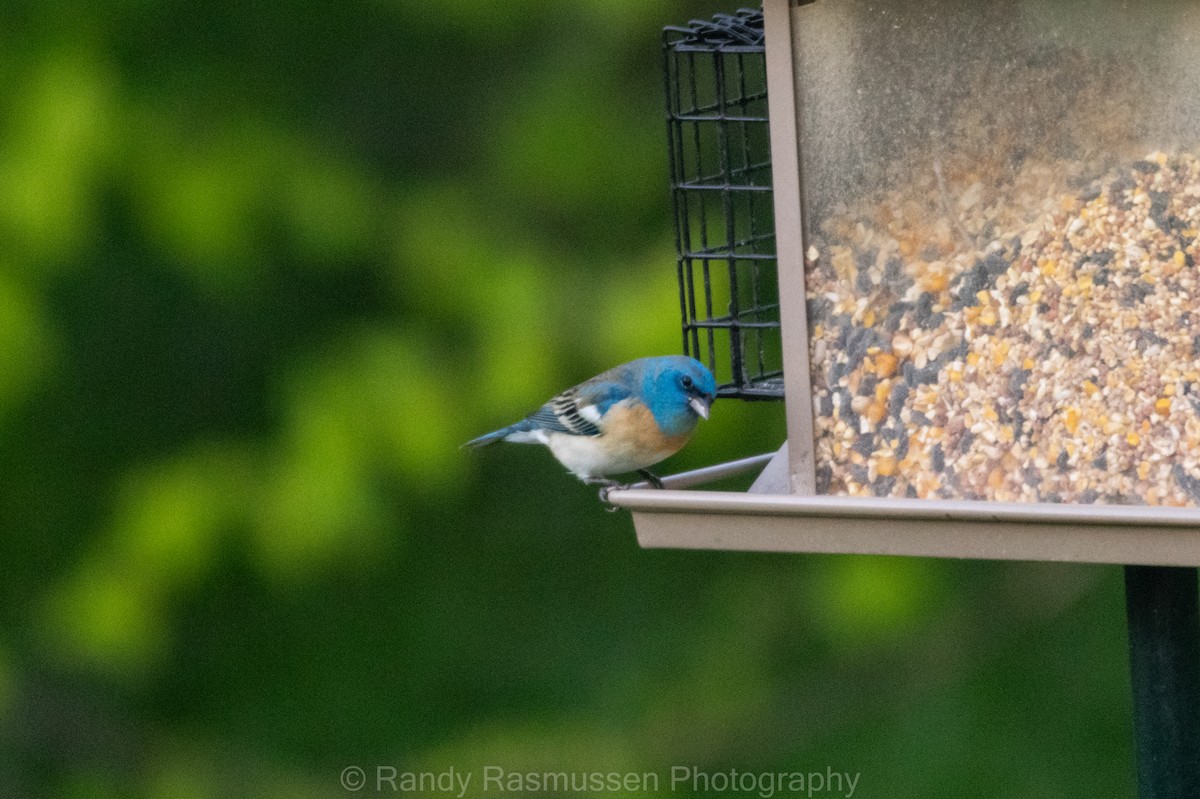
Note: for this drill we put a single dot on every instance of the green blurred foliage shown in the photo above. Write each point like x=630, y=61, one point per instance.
x=263, y=268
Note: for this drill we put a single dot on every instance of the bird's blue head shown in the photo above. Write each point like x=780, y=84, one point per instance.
x=679, y=391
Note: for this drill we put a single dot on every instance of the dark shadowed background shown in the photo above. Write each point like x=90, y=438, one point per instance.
x=263, y=267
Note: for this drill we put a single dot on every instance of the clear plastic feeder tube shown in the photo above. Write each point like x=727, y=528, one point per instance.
x=1001, y=207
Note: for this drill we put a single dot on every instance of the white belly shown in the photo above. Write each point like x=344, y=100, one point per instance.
x=594, y=456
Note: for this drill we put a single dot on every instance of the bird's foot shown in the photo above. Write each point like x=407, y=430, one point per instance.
x=605, y=487
x=651, y=478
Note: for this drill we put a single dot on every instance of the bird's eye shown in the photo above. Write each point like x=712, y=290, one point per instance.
x=686, y=381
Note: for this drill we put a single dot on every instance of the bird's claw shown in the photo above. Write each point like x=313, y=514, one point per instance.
x=608, y=506
x=651, y=478
x=607, y=486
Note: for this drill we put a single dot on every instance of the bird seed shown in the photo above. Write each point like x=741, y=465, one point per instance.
x=1040, y=343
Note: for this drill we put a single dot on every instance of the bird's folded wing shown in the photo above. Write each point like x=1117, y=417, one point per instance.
x=577, y=411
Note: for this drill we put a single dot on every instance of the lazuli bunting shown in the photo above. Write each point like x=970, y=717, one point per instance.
x=623, y=420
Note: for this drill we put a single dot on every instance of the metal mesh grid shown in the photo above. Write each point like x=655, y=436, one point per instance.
x=716, y=88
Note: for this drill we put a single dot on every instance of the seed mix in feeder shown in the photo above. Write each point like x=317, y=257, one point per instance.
x=1039, y=342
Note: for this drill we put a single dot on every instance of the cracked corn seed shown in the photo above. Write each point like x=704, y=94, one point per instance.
x=1050, y=358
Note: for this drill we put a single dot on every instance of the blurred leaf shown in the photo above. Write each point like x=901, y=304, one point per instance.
x=59, y=132
x=28, y=349
x=211, y=196
x=113, y=611
x=105, y=617
x=861, y=600
x=565, y=154
x=318, y=499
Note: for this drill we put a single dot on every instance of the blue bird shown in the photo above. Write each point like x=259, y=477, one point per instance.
x=623, y=420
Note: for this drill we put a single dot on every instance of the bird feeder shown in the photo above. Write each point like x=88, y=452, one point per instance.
x=967, y=251
x=985, y=317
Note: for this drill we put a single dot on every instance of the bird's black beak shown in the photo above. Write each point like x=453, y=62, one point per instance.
x=700, y=404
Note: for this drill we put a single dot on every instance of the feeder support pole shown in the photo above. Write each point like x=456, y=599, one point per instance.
x=1163, y=609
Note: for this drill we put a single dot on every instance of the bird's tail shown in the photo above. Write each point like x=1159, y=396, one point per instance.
x=523, y=426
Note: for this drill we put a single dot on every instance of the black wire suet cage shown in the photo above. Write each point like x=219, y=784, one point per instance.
x=716, y=89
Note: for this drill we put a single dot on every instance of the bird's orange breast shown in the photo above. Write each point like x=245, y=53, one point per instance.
x=632, y=428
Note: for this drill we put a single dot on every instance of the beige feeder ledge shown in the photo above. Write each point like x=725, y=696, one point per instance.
x=840, y=131
x=768, y=519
